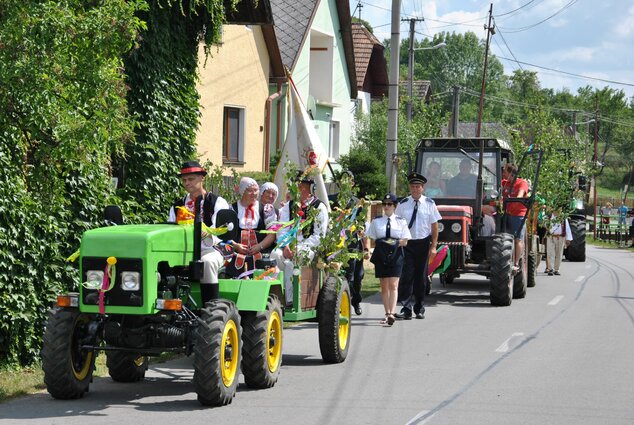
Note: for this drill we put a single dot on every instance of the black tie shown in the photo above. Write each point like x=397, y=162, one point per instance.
x=387, y=229
x=413, y=219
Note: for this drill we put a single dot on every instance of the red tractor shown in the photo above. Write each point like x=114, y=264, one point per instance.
x=464, y=179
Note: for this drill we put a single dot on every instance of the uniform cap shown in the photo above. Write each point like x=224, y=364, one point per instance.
x=415, y=177
x=390, y=197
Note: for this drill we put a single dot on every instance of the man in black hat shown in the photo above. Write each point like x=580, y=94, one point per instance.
x=192, y=176
x=308, y=238
x=422, y=217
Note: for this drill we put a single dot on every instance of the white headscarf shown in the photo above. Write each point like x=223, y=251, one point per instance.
x=245, y=183
x=270, y=186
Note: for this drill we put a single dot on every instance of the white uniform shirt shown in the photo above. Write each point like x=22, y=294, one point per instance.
x=427, y=214
x=398, y=228
x=320, y=224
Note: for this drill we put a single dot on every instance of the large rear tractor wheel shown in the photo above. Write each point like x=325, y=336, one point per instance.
x=217, y=350
x=67, y=369
x=501, y=267
x=262, y=338
x=531, y=269
x=333, y=315
x=576, y=251
x=126, y=367
x=520, y=280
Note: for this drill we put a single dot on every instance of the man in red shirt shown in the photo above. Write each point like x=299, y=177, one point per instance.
x=514, y=187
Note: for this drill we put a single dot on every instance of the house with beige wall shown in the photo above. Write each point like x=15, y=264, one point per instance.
x=234, y=97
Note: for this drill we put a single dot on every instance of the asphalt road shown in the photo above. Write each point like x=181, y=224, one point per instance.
x=562, y=355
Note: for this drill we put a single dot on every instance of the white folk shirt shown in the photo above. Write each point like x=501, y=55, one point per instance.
x=221, y=204
x=252, y=222
x=320, y=224
x=427, y=214
x=398, y=228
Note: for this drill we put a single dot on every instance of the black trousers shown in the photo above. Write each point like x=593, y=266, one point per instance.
x=354, y=274
x=411, y=286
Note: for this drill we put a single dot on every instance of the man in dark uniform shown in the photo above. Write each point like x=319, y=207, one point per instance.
x=422, y=217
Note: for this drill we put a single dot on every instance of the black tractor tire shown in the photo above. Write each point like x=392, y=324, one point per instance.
x=67, y=369
x=262, y=338
x=531, y=269
x=520, y=280
x=126, y=367
x=501, y=279
x=576, y=251
x=217, y=349
x=333, y=316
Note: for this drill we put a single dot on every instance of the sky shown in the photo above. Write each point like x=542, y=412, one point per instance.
x=588, y=38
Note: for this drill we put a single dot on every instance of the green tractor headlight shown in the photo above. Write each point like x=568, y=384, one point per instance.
x=130, y=281
x=94, y=279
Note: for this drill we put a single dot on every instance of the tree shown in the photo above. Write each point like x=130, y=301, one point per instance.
x=63, y=114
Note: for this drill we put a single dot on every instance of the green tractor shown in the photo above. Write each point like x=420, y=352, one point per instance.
x=141, y=297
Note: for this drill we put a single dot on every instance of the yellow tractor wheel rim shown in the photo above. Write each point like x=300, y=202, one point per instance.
x=80, y=365
x=229, y=353
x=274, y=342
x=344, y=320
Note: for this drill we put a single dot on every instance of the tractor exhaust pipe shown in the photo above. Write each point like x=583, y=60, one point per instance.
x=208, y=291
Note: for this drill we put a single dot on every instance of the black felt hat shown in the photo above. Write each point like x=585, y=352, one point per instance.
x=302, y=177
x=192, y=167
x=415, y=177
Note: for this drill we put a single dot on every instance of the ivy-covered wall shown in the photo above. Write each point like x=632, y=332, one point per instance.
x=88, y=90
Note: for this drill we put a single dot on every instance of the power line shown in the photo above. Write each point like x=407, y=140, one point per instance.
x=513, y=30
x=568, y=73
x=510, y=102
x=509, y=48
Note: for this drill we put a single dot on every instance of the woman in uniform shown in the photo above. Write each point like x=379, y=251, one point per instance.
x=391, y=234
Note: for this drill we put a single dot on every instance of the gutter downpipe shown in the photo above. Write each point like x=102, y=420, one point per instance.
x=267, y=135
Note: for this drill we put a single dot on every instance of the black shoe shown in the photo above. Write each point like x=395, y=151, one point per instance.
x=357, y=309
x=420, y=315
x=550, y=272
x=557, y=273
x=403, y=316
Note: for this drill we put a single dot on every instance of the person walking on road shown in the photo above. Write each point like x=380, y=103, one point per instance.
x=422, y=217
x=391, y=234
x=559, y=235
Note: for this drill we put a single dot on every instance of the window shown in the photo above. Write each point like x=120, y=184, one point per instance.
x=233, y=135
x=333, y=142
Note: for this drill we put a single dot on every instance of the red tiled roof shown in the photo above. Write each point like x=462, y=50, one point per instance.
x=368, y=54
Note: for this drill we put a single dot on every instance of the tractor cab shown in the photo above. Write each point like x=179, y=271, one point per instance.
x=464, y=178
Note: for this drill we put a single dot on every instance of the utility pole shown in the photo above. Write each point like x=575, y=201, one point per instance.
x=410, y=66
x=455, y=111
x=392, y=111
x=595, y=160
x=359, y=6
x=490, y=30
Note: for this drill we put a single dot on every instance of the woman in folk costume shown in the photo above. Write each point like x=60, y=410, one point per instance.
x=268, y=196
x=391, y=234
x=252, y=218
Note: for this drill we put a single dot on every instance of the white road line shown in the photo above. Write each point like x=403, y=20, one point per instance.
x=422, y=413
x=580, y=278
x=505, y=345
x=556, y=300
